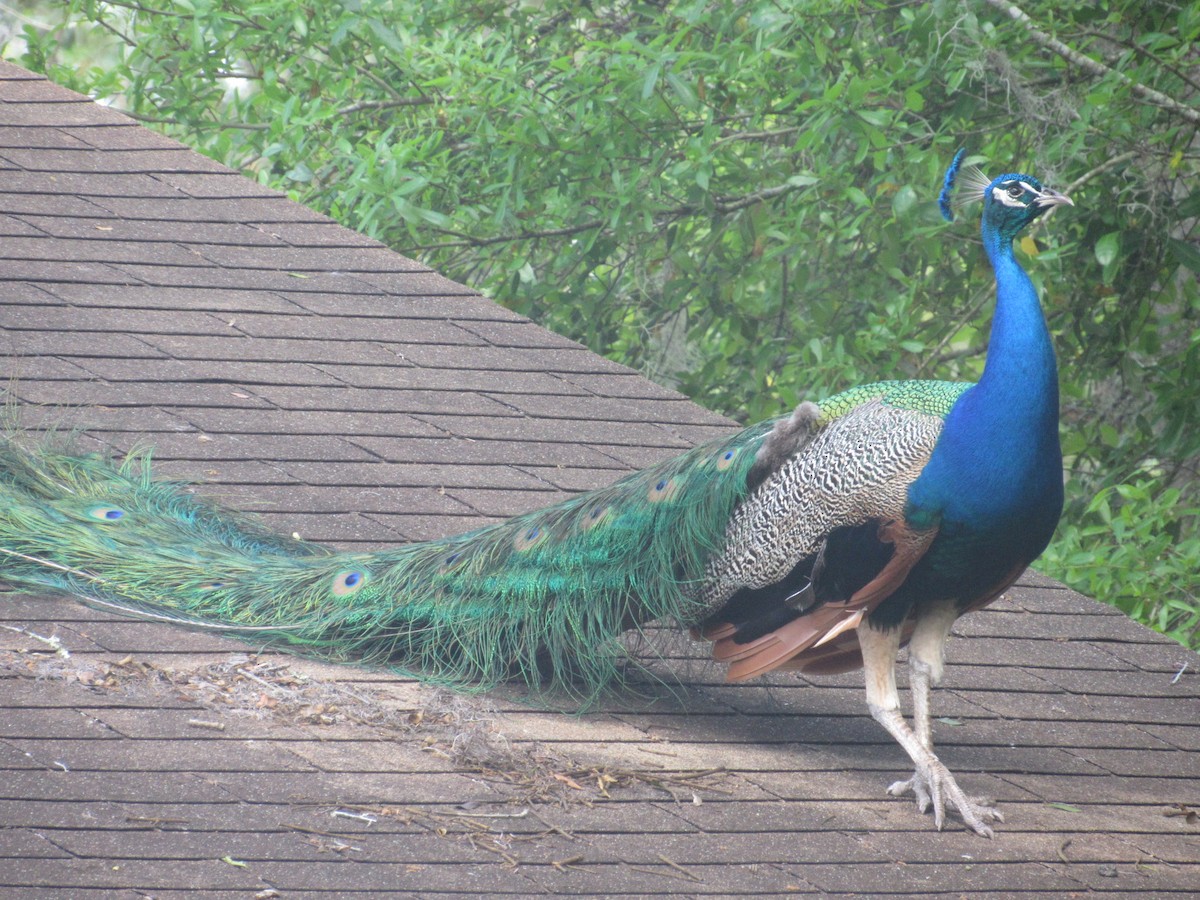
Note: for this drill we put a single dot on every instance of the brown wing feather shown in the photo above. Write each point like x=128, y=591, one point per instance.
x=790, y=645
x=842, y=654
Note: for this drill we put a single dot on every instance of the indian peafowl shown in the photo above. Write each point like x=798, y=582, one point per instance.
x=821, y=542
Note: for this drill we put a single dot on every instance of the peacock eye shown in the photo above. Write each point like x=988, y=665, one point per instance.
x=1015, y=191
x=349, y=582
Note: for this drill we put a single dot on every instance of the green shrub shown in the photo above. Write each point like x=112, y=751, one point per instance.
x=1135, y=545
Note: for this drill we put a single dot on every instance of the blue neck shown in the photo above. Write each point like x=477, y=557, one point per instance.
x=998, y=462
x=1020, y=376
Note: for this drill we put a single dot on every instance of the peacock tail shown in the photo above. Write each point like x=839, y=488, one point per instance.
x=543, y=597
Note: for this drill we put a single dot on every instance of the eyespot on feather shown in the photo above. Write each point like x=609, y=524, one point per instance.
x=726, y=459
x=529, y=538
x=106, y=513
x=662, y=490
x=348, y=582
x=597, y=515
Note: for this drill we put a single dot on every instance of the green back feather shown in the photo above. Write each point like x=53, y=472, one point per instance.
x=933, y=398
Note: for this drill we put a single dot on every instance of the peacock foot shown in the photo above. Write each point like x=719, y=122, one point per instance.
x=935, y=786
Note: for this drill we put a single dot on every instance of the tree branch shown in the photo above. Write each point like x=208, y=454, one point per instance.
x=384, y=104
x=1090, y=65
x=755, y=135
x=728, y=206
x=469, y=241
x=1143, y=52
x=163, y=120
x=264, y=126
x=1098, y=170
x=722, y=205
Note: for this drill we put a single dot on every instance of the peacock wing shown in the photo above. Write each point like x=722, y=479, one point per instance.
x=822, y=539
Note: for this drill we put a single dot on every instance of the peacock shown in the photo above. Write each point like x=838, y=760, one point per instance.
x=822, y=541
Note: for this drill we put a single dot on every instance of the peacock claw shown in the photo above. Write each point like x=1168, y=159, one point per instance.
x=937, y=786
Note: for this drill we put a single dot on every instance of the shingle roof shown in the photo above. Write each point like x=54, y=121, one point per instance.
x=352, y=395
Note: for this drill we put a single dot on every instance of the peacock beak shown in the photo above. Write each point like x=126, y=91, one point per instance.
x=1049, y=198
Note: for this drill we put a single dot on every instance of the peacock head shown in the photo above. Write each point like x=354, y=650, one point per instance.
x=1010, y=202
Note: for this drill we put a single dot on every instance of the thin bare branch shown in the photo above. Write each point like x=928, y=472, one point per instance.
x=384, y=104
x=1099, y=170
x=721, y=205
x=162, y=120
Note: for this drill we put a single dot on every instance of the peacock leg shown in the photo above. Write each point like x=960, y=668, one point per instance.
x=932, y=782
x=926, y=663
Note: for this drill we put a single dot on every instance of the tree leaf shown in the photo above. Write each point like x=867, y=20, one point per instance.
x=1107, y=248
x=651, y=81
x=1186, y=254
x=903, y=201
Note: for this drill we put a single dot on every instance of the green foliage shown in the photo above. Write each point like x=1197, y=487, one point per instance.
x=737, y=196
x=1147, y=543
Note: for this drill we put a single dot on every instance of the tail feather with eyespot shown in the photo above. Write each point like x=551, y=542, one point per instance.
x=543, y=594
